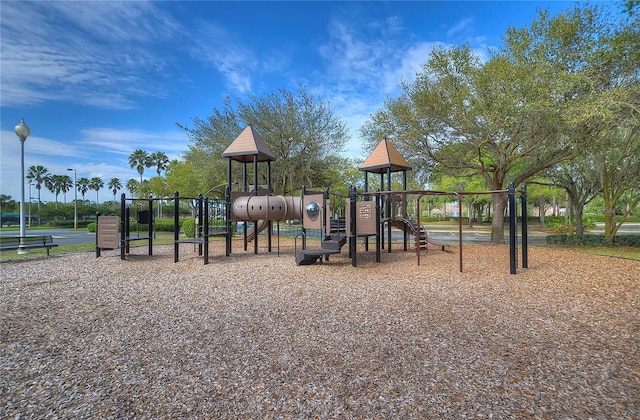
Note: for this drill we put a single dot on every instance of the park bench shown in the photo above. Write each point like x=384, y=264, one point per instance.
x=8, y=243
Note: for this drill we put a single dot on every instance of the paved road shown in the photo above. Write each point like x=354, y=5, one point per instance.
x=445, y=233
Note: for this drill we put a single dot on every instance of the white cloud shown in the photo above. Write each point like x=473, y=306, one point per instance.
x=218, y=49
x=93, y=53
x=124, y=142
x=462, y=27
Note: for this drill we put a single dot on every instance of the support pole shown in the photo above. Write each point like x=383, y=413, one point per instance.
x=389, y=208
x=97, y=232
x=151, y=222
x=460, y=230
x=227, y=196
x=352, y=224
x=513, y=226
x=123, y=226
x=525, y=240
x=206, y=230
x=200, y=232
x=378, y=241
x=176, y=226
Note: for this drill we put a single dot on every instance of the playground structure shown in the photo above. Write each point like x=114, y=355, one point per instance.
x=367, y=214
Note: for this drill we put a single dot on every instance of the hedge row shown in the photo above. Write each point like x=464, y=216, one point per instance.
x=164, y=225
x=593, y=240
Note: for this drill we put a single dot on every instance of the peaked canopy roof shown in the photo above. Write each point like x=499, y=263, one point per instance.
x=248, y=145
x=383, y=158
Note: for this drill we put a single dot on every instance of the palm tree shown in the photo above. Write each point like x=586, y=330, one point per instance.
x=132, y=186
x=95, y=184
x=66, y=184
x=114, y=185
x=38, y=174
x=83, y=186
x=139, y=159
x=52, y=183
x=159, y=160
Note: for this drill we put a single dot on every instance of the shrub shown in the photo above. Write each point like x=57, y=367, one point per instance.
x=555, y=223
x=163, y=225
x=189, y=227
x=91, y=227
x=593, y=240
x=558, y=223
x=628, y=240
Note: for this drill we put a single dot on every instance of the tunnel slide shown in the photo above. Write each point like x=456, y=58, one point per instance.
x=264, y=208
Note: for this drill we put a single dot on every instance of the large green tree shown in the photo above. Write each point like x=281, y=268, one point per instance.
x=139, y=159
x=504, y=119
x=58, y=184
x=96, y=183
x=302, y=131
x=158, y=160
x=37, y=174
x=83, y=186
x=114, y=185
x=185, y=178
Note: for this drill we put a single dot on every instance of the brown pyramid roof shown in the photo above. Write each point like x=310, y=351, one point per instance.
x=247, y=145
x=383, y=157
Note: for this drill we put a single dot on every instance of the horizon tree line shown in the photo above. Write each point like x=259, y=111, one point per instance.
x=39, y=176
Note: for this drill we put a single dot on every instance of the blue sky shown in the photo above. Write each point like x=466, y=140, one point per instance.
x=96, y=80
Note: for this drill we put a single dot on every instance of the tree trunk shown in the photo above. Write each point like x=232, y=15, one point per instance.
x=497, y=223
x=579, y=225
x=610, y=227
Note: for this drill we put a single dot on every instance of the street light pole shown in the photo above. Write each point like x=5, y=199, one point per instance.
x=75, y=201
x=22, y=131
x=29, y=223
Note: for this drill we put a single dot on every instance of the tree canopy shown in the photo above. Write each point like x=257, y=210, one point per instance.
x=525, y=109
x=303, y=133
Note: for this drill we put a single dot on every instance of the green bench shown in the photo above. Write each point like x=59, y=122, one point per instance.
x=8, y=243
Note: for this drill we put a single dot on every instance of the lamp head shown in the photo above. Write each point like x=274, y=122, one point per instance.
x=22, y=131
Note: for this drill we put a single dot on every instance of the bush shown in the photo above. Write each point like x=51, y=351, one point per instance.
x=593, y=240
x=189, y=227
x=628, y=240
x=163, y=225
x=159, y=225
x=558, y=223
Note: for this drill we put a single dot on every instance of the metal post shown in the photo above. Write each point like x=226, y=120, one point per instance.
x=97, y=233
x=176, y=226
x=206, y=230
x=389, y=208
x=123, y=226
x=352, y=223
x=525, y=243
x=511, y=197
x=460, y=230
x=227, y=196
x=29, y=223
x=151, y=222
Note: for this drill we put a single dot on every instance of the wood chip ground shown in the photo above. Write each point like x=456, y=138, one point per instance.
x=255, y=336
